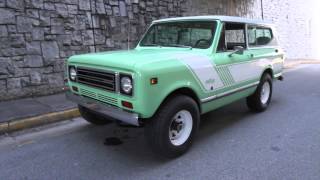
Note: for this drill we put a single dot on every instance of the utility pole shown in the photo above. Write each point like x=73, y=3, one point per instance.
x=262, y=16
x=128, y=35
x=92, y=25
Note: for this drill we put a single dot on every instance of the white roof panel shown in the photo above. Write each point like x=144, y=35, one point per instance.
x=211, y=17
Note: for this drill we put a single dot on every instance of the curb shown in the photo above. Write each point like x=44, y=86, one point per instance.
x=293, y=64
x=20, y=124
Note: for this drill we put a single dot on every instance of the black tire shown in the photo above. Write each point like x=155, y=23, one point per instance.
x=254, y=101
x=157, y=129
x=92, y=117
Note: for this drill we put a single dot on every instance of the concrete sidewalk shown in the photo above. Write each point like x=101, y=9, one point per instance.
x=21, y=113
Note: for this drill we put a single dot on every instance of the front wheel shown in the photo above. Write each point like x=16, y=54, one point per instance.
x=261, y=98
x=171, y=131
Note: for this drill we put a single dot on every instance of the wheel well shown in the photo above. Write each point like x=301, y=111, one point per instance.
x=187, y=92
x=269, y=71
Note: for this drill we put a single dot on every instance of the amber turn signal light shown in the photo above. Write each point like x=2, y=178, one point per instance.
x=153, y=81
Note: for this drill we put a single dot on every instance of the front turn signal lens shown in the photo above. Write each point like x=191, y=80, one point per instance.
x=153, y=81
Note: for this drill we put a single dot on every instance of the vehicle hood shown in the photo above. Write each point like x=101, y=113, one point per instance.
x=126, y=59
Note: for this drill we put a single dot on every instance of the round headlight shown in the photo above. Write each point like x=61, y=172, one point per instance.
x=126, y=84
x=72, y=73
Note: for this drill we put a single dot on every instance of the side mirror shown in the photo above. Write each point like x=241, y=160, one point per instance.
x=237, y=50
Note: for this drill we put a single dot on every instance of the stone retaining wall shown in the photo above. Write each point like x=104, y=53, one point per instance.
x=37, y=36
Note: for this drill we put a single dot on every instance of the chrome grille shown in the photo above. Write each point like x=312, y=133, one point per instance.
x=87, y=93
x=98, y=96
x=107, y=99
x=96, y=78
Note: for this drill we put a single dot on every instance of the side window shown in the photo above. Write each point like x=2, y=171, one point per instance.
x=233, y=35
x=259, y=36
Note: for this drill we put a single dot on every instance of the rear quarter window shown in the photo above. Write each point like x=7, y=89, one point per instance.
x=260, y=36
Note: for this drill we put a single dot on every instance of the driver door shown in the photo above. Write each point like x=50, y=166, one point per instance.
x=232, y=54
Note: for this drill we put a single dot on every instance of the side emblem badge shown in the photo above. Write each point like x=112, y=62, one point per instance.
x=210, y=81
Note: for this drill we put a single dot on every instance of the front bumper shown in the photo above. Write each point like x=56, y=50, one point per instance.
x=106, y=110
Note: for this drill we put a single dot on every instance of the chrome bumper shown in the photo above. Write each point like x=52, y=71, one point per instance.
x=106, y=110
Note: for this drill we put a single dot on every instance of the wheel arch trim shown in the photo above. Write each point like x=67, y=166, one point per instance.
x=184, y=90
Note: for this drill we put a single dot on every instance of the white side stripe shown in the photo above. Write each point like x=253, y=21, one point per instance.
x=211, y=77
x=249, y=70
x=204, y=70
x=245, y=71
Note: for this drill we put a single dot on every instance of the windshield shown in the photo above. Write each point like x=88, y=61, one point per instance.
x=198, y=34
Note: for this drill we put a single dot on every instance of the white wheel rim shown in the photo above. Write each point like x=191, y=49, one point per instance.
x=265, y=92
x=180, y=127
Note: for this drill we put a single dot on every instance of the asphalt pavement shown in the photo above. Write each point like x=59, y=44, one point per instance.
x=233, y=143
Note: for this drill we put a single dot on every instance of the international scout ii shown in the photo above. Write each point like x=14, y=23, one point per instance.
x=181, y=69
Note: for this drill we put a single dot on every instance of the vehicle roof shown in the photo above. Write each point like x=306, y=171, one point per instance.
x=212, y=17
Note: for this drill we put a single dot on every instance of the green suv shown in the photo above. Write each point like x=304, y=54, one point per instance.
x=181, y=69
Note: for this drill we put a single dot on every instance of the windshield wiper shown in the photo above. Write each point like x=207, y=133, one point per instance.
x=158, y=45
x=179, y=45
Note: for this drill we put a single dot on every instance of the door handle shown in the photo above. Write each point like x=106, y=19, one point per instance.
x=251, y=55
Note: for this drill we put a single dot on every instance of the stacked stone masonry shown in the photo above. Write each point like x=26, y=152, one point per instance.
x=37, y=36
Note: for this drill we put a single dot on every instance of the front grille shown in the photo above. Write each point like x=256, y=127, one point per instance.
x=99, y=97
x=96, y=78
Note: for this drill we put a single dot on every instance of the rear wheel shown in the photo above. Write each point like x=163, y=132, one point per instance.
x=92, y=117
x=260, y=100
x=171, y=131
